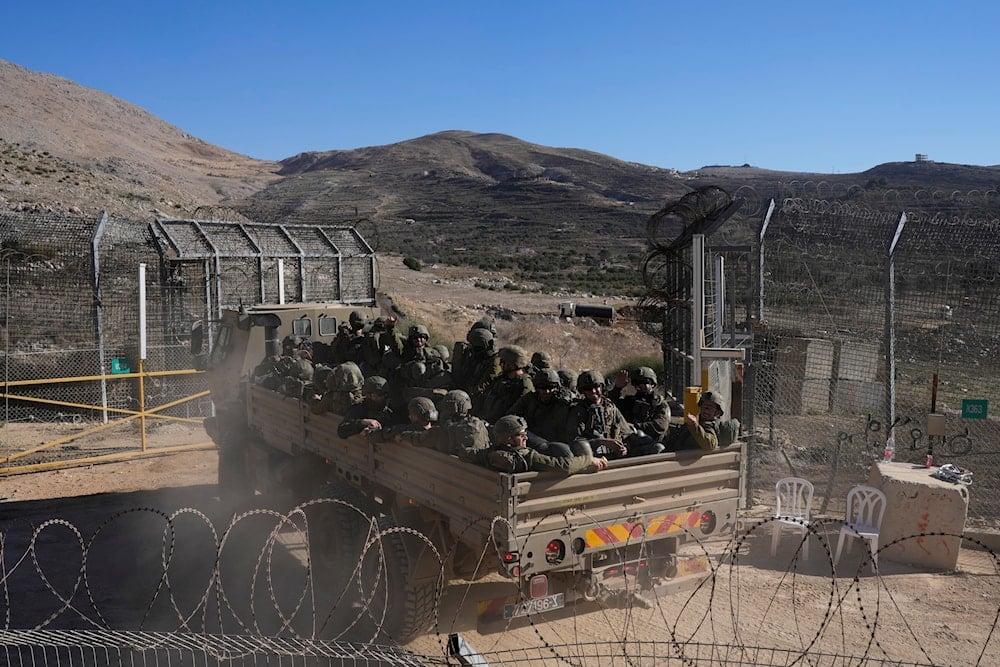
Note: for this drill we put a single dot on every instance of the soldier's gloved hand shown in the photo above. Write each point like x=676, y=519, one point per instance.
x=598, y=463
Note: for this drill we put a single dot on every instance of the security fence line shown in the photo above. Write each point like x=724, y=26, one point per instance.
x=869, y=322
x=70, y=340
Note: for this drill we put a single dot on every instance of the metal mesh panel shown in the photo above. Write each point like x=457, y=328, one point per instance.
x=47, y=315
x=948, y=324
x=273, y=241
x=312, y=241
x=836, y=309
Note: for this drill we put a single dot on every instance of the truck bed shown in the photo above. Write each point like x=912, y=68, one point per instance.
x=648, y=498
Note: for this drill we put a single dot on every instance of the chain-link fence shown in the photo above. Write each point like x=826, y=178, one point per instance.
x=868, y=322
x=71, y=311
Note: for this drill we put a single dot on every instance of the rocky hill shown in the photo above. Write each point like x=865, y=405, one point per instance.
x=66, y=147
x=486, y=200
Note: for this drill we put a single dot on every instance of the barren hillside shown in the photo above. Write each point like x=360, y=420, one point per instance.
x=63, y=146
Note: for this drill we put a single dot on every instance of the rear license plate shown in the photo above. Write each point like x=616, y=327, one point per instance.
x=534, y=606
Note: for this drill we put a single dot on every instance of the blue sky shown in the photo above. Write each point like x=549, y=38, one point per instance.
x=797, y=86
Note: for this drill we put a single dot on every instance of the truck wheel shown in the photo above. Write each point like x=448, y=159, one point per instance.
x=339, y=532
x=401, y=605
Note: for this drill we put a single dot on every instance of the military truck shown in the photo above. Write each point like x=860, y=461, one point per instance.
x=636, y=526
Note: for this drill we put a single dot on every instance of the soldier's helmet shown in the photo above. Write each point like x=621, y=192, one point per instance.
x=480, y=339
x=508, y=426
x=374, y=384
x=643, y=374
x=455, y=403
x=356, y=319
x=302, y=369
x=320, y=373
x=514, y=355
x=485, y=323
x=715, y=398
x=345, y=377
x=567, y=378
x=418, y=331
x=423, y=408
x=414, y=371
x=442, y=351
x=546, y=378
x=289, y=344
x=589, y=380
x=541, y=360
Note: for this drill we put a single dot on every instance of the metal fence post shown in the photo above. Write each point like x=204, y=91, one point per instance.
x=95, y=250
x=890, y=332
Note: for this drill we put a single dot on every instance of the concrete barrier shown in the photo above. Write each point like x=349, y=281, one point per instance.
x=916, y=504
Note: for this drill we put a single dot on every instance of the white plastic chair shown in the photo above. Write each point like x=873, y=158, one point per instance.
x=863, y=519
x=793, y=496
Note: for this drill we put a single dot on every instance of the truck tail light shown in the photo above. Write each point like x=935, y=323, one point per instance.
x=555, y=552
x=707, y=522
x=511, y=564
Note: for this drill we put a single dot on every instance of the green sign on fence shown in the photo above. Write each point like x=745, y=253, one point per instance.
x=974, y=408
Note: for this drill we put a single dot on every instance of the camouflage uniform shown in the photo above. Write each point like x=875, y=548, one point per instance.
x=645, y=410
x=461, y=436
x=370, y=408
x=588, y=421
x=475, y=363
x=546, y=415
x=347, y=345
x=505, y=390
x=702, y=435
x=508, y=458
x=343, y=390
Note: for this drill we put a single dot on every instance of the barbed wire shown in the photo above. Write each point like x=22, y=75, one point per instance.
x=244, y=601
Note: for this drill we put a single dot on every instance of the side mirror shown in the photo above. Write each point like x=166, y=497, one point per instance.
x=197, y=338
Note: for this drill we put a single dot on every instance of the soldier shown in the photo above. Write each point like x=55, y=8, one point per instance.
x=476, y=362
x=701, y=431
x=567, y=379
x=509, y=452
x=343, y=390
x=505, y=390
x=457, y=432
x=417, y=347
x=272, y=371
x=390, y=342
x=416, y=378
x=372, y=413
x=596, y=420
x=645, y=410
x=445, y=354
x=540, y=361
x=298, y=378
x=421, y=415
x=546, y=413
x=486, y=323
x=349, y=339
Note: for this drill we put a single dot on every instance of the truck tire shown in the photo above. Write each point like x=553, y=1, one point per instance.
x=409, y=604
x=339, y=532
